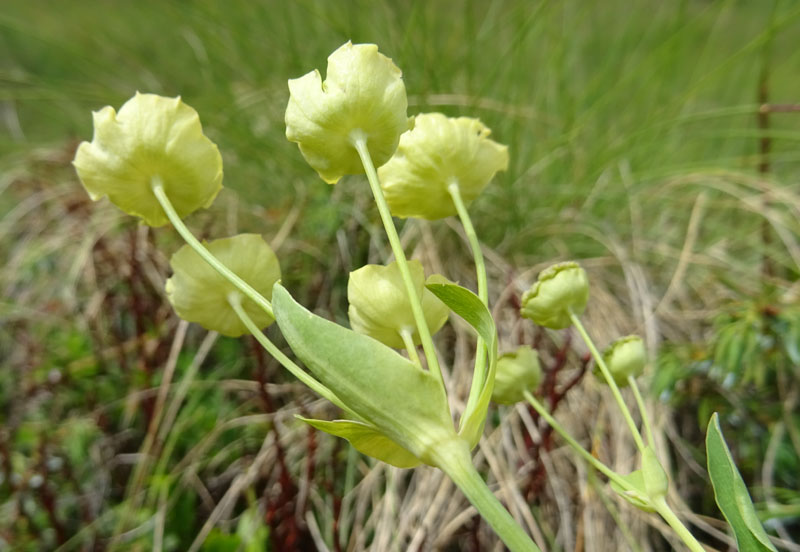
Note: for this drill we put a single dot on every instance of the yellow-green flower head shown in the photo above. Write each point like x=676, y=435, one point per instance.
x=363, y=92
x=516, y=372
x=198, y=293
x=560, y=289
x=380, y=307
x=624, y=357
x=440, y=151
x=151, y=137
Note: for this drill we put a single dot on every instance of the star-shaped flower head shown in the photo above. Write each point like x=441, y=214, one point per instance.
x=381, y=309
x=439, y=151
x=151, y=137
x=363, y=92
x=198, y=292
x=561, y=289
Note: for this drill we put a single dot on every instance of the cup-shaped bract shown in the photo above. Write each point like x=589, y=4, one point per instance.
x=363, y=92
x=437, y=152
x=561, y=289
x=381, y=308
x=516, y=373
x=656, y=481
x=624, y=357
x=152, y=137
x=198, y=292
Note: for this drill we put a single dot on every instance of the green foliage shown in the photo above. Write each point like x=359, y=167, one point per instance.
x=397, y=398
x=731, y=493
x=367, y=440
x=469, y=307
x=219, y=541
x=638, y=495
x=756, y=341
x=745, y=371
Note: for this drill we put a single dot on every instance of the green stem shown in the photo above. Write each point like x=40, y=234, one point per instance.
x=648, y=428
x=158, y=189
x=677, y=525
x=235, y=301
x=586, y=455
x=479, y=373
x=472, y=237
x=359, y=141
x=598, y=358
x=455, y=461
x=408, y=340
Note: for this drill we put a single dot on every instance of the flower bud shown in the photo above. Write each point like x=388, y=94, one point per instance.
x=198, y=293
x=151, y=137
x=560, y=289
x=624, y=357
x=439, y=151
x=363, y=91
x=381, y=309
x=516, y=372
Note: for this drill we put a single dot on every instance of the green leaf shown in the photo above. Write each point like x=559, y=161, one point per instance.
x=252, y=532
x=367, y=440
x=469, y=307
x=382, y=387
x=731, y=493
x=636, y=496
x=218, y=541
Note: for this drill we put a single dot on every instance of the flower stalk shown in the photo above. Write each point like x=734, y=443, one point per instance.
x=648, y=427
x=411, y=349
x=158, y=189
x=659, y=503
x=586, y=455
x=479, y=372
x=359, y=141
x=677, y=525
x=454, y=459
x=235, y=301
x=598, y=358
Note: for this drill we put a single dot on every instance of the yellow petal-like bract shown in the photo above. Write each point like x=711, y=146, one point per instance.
x=439, y=151
x=363, y=91
x=380, y=307
x=560, y=289
x=198, y=293
x=151, y=136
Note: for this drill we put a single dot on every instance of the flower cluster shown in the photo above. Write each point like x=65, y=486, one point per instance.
x=151, y=139
x=152, y=160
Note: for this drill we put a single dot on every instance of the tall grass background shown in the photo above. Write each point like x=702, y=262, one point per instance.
x=636, y=146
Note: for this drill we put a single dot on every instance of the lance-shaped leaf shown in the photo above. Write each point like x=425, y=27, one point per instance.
x=382, y=387
x=367, y=440
x=469, y=307
x=731, y=493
